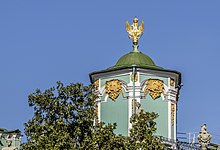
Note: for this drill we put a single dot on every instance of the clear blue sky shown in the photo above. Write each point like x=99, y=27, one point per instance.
x=42, y=42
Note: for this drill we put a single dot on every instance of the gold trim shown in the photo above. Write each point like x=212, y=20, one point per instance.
x=172, y=82
x=172, y=113
x=96, y=84
x=135, y=78
x=113, y=88
x=155, y=88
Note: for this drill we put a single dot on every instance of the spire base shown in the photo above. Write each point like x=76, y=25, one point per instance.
x=135, y=48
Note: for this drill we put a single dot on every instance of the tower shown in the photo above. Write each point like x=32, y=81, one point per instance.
x=135, y=82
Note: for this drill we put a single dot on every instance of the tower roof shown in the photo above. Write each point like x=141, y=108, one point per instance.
x=136, y=58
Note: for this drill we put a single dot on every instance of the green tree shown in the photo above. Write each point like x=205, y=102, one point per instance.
x=142, y=132
x=63, y=117
x=104, y=138
x=64, y=120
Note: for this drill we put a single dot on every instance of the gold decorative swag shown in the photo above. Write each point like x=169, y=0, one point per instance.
x=113, y=88
x=155, y=88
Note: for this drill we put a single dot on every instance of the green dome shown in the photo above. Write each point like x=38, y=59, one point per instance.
x=135, y=58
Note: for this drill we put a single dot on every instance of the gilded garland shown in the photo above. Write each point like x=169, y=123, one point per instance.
x=155, y=88
x=172, y=82
x=96, y=84
x=172, y=113
x=134, y=76
x=113, y=88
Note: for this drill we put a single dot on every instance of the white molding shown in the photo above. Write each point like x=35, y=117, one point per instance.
x=169, y=112
x=161, y=73
x=137, y=97
x=129, y=113
x=111, y=74
x=99, y=102
x=158, y=73
x=106, y=98
x=172, y=99
x=99, y=84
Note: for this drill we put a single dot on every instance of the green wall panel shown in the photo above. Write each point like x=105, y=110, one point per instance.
x=116, y=112
x=125, y=77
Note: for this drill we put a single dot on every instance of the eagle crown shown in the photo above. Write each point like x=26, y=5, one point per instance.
x=134, y=31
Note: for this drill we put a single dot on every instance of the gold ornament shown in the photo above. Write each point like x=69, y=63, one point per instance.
x=155, y=88
x=172, y=113
x=96, y=84
x=135, y=77
x=172, y=82
x=134, y=31
x=113, y=88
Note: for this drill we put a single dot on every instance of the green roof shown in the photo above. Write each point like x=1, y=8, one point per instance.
x=137, y=59
x=134, y=58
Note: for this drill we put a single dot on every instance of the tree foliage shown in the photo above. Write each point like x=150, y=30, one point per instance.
x=64, y=120
x=141, y=134
x=63, y=117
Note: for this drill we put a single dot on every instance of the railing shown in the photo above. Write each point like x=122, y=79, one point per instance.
x=179, y=145
x=188, y=146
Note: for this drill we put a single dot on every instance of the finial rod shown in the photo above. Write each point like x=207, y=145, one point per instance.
x=134, y=30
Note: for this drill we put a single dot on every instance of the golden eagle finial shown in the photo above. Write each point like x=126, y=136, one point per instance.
x=134, y=31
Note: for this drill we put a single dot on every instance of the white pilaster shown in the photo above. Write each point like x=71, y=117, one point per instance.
x=169, y=112
x=137, y=97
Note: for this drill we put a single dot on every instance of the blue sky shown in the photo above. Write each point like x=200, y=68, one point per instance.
x=42, y=42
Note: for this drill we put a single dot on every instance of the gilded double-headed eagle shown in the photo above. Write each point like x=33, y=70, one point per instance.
x=134, y=31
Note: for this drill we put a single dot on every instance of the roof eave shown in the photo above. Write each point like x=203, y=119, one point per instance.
x=129, y=67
